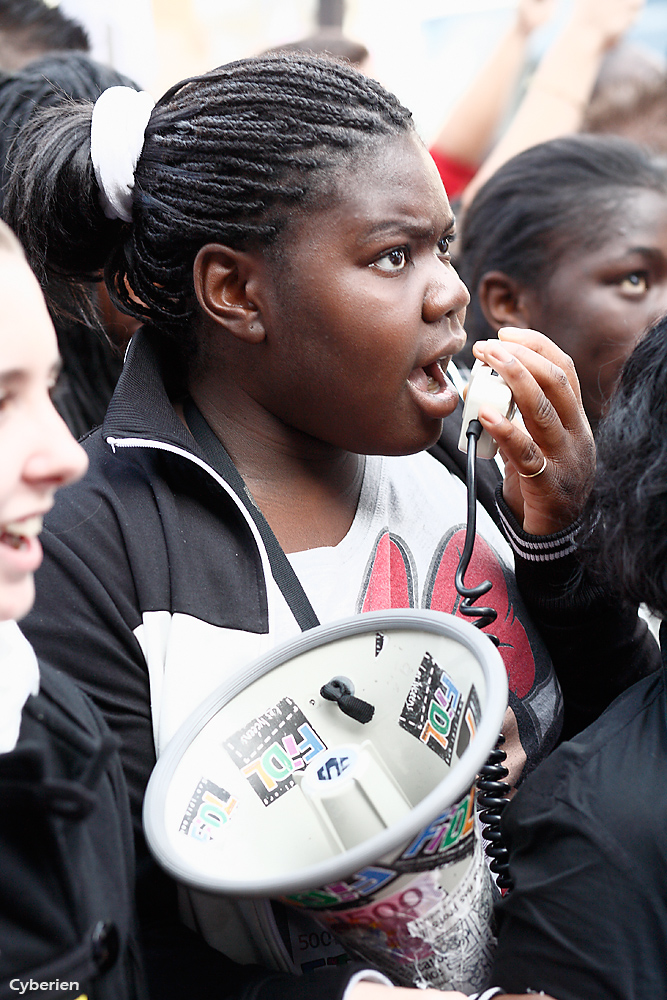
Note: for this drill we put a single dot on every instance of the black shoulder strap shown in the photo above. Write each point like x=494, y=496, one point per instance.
x=281, y=567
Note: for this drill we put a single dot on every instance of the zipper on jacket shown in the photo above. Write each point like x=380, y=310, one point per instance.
x=115, y=442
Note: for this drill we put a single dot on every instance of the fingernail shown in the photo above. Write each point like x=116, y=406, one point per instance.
x=497, y=351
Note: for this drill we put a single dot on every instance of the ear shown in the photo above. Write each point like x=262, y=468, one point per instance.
x=224, y=279
x=503, y=301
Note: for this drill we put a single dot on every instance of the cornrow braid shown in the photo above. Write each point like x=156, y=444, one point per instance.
x=228, y=157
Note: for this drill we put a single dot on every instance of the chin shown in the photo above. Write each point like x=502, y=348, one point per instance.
x=408, y=446
x=16, y=599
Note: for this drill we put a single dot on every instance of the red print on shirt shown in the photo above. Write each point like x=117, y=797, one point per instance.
x=390, y=583
x=440, y=595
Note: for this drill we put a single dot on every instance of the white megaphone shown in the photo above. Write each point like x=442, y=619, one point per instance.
x=358, y=811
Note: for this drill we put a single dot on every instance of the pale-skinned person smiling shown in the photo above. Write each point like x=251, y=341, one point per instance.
x=39, y=455
x=66, y=856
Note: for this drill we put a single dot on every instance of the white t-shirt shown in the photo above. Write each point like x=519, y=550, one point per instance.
x=402, y=550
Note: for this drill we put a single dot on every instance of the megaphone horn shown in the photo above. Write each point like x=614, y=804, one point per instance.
x=357, y=810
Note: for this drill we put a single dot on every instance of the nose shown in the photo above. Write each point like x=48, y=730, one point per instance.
x=445, y=294
x=55, y=458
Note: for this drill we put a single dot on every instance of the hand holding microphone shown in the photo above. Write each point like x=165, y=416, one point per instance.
x=549, y=463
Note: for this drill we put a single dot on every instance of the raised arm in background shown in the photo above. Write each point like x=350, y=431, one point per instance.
x=467, y=134
x=559, y=91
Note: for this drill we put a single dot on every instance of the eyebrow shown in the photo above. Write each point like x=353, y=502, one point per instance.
x=644, y=251
x=15, y=375
x=413, y=229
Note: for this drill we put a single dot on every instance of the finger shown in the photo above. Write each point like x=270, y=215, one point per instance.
x=516, y=446
x=543, y=393
x=553, y=370
x=546, y=348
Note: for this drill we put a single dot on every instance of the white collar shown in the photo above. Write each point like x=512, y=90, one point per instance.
x=19, y=678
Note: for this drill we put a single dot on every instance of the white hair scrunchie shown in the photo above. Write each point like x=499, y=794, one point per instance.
x=120, y=117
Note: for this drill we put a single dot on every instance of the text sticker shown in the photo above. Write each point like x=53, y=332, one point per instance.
x=432, y=709
x=270, y=748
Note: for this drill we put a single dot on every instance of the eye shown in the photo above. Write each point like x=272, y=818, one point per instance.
x=635, y=283
x=392, y=260
x=445, y=244
x=54, y=380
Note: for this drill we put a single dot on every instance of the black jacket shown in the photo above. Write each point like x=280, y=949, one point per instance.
x=587, y=919
x=66, y=854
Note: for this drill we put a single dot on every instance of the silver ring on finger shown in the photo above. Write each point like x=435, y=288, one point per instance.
x=531, y=475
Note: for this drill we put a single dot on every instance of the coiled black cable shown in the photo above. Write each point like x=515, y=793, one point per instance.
x=493, y=790
x=484, y=616
x=492, y=801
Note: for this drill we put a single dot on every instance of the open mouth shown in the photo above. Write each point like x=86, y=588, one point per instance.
x=431, y=378
x=19, y=534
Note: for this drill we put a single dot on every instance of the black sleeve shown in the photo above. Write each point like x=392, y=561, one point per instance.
x=83, y=622
x=599, y=645
x=84, y=626
x=67, y=863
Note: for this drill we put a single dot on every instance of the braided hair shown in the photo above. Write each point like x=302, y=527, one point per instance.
x=624, y=526
x=229, y=157
x=90, y=364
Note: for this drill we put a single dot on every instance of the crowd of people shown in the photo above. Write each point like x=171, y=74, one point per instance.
x=245, y=299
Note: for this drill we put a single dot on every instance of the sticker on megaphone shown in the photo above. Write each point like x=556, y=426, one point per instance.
x=424, y=916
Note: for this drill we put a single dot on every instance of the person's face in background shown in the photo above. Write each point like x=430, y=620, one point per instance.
x=37, y=452
x=596, y=304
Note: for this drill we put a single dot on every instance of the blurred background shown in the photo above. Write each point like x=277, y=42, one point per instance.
x=426, y=51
